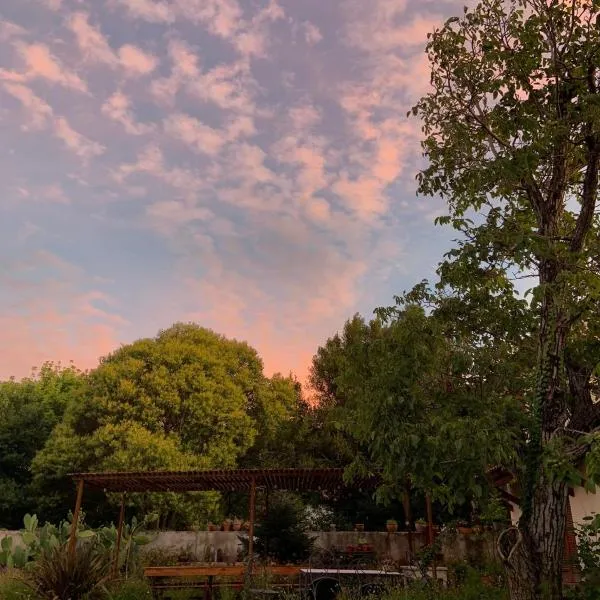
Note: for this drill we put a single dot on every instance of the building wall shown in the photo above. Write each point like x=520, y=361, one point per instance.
x=225, y=546
x=584, y=504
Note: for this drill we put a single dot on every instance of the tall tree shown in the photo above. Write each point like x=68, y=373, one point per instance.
x=422, y=404
x=184, y=399
x=30, y=409
x=512, y=138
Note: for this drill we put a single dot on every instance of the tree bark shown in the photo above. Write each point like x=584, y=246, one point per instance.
x=533, y=552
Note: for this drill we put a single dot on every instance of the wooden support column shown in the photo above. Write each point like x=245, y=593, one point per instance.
x=73, y=534
x=431, y=534
x=251, y=519
x=408, y=522
x=429, y=519
x=115, y=568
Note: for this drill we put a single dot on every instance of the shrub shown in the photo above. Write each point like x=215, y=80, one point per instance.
x=130, y=590
x=14, y=586
x=281, y=535
x=57, y=575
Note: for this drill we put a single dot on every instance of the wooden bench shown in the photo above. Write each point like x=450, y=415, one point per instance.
x=203, y=577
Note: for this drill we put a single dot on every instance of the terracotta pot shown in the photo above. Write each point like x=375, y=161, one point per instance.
x=391, y=527
x=227, y=525
x=212, y=527
x=465, y=530
x=237, y=525
x=359, y=527
x=420, y=527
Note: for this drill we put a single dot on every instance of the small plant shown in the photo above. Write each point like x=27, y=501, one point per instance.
x=281, y=535
x=130, y=590
x=391, y=525
x=59, y=575
x=12, y=555
x=13, y=586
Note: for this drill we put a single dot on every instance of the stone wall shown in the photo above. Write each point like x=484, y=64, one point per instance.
x=225, y=546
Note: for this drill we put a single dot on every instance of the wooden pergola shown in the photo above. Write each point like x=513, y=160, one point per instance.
x=222, y=480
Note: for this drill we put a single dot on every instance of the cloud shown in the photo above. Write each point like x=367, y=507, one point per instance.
x=41, y=64
x=38, y=111
x=230, y=87
x=312, y=34
x=200, y=137
x=75, y=141
x=167, y=216
x=56, y=313
x=118, y=108
x=184, y=67
x=150, y=10
x=92, y=44
x=9, y=30
x=135, y=61
x=95, y=48
x=54, y=5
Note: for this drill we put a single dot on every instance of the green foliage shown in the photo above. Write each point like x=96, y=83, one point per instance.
x=281, y=534
x=421, y=406
x=30, y=409
x=12, y=555
x=14, y=586
x=588, y=550
x=130, y=590
x=58, y=575
x=186, y=399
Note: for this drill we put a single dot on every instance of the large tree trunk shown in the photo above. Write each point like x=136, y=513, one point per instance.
x=533, y=552
x=534, y=559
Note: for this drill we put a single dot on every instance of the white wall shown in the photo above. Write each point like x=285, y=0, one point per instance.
x=583, y=504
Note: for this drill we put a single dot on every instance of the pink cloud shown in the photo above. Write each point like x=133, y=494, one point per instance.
x=38, y=111
x=75, y=141
x=200, y=137
x=54, y=5
x=312, y=34
x=150, y=10
x=185, y=61
x=92, y=44
x=135, y=61
x=167, y=216
x=118, y=108
x=43, y=65
x=52, y=319
x=9, y=30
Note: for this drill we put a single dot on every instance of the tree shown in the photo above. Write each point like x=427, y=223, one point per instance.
x=184, y=399
x=30, y=409
x=422, y=405
x=512, y=138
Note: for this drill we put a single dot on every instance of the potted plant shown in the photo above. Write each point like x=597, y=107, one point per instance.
x=420, y=525
x=359, y=527
x=237, y=524
x=464, y=528
x=227, y=525
x=391, y=526
x=212, y=527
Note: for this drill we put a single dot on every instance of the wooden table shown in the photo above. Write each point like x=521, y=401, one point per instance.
x=203, y=576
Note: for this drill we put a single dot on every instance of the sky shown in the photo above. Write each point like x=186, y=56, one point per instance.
x=244, y=164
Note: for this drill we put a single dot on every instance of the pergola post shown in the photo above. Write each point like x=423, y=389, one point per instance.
x=75, y=523
x=408, y=519
x=251, y=519
x=430, y=533
x=115, y=568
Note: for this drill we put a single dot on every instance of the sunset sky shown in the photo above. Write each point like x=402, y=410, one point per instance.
x=245, y=164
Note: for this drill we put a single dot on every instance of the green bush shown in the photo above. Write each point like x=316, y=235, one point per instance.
x=281, y=535
x=58, y=575
x=14, y=586
x=130, y=590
